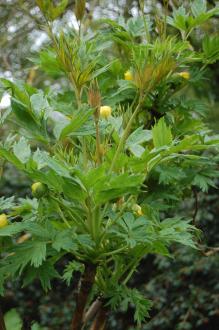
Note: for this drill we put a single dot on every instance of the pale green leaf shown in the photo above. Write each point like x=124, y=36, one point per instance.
x=40, y=105
x=135, y=140
x=198, y=7
x=6, y=203
x=22, y=150
x=161, y=133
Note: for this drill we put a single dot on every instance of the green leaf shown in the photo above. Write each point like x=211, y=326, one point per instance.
x=13, y=320
x=36, y=326
x=203, y=182
x=42, y=158
x=43, y=231
x=98, y=72
x=59, y=125
x=85, y=241
x=136, y=26
x=169, y=174
x=45, y=273
x=161, y=133
x=72, y=266
x=40, y=105
x=6, y=203
x=135, y=140
x=49, y=10
x=79, y=118
x=49, y=177
x=48, y=62
x=120, y=295
x=137, y=150
x=37, y=252
x=210, y=47
x=4, y=113
x=26, y=120
x=139, y=136
x=22, y=150
x=19, y=90
x=30, y=252
x=132, y=230
x=56, y=11
x=111, y=187
x=10, y=157
x=140, y=304
x=177, y=230
x=12, y=229
x=64, y=240
x=179, y=19
x=198, y=7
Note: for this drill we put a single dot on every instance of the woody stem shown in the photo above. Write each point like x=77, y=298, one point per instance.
x=82, y=296
x=2, y=322
x=99, y=322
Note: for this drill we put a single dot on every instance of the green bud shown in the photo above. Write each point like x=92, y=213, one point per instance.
x=38, y=189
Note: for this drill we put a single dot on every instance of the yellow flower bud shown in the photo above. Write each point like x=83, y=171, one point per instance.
x=184, y=75
x=3, y=220
x=137, y=209
x=128, y=75
x=38, y=189
x=105, y=111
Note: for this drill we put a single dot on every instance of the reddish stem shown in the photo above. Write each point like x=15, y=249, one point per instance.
x=82, y=296
x=2, y=322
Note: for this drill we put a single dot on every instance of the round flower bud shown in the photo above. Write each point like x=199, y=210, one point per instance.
x=184, y=75
x=137, y=209
x=128, y=75
x=3, y=220
x=38, y=189
x=105, y=111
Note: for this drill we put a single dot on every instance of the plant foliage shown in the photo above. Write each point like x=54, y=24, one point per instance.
x=110, y=180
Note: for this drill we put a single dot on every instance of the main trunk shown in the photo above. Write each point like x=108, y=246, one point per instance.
x=82, y=295
x=2, y=322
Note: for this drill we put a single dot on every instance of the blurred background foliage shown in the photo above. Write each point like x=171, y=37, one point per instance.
x=186, y=289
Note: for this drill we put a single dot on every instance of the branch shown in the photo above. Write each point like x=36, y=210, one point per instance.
x=100, y=320
x=92, y=310
x=212, y=251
